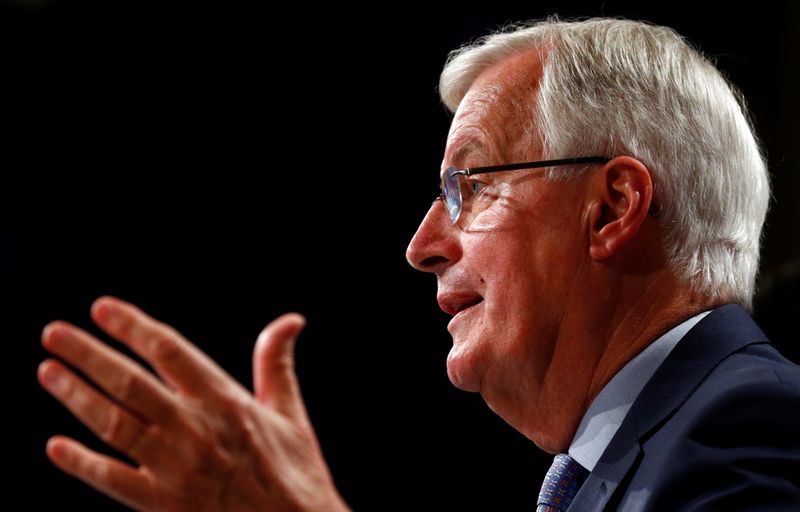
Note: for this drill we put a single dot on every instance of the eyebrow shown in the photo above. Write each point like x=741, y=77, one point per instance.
x=471, y=145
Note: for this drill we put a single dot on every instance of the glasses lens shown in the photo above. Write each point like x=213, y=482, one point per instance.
x=452, y=193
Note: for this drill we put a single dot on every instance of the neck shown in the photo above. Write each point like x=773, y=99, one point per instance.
x=599, y=337
x=635, y=320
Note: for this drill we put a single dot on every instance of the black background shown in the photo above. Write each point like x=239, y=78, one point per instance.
x=221, y=165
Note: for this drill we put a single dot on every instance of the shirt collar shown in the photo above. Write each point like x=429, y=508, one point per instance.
x=608, y=409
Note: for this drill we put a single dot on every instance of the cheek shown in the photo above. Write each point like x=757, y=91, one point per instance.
x=525, y=285
x=523, y=321
x=512, y=291
x=513, y=302
x=489, y=221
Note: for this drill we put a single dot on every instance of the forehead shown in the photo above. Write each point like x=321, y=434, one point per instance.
x=497, y=110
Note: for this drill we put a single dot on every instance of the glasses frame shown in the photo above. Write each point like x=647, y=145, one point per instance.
x=454, y=204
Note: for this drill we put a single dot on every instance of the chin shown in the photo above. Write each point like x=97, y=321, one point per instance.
x=463, y=370
x=548, y=443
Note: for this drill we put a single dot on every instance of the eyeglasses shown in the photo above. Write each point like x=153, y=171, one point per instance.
x=451, y=178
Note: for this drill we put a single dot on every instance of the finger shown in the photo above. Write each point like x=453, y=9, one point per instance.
x=181, y=364
x=108, y=475
x=274, y=378
x=111, y=423
x=123, y=379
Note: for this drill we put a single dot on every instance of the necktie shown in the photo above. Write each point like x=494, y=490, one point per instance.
x=561, y=484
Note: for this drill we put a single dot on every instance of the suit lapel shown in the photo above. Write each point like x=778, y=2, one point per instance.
x=724, y=331
x=609, y=471
x=721, y=333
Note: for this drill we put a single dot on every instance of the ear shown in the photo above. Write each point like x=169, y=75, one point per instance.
x=621, y=195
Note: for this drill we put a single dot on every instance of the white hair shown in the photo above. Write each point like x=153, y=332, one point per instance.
x=616, y=87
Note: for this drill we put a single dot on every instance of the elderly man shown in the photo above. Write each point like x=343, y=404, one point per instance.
x=596, y=242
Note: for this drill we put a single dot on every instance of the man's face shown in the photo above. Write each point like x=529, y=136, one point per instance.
x=507, y=268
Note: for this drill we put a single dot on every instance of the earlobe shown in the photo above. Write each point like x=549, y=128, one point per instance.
x=622, y=193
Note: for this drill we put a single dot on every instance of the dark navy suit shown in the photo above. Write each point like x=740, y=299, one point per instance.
x=716, y=428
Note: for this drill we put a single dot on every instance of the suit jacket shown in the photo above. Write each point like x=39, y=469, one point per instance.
x=717, y=427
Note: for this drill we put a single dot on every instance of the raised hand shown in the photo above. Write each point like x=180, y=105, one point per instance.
x=202, y=442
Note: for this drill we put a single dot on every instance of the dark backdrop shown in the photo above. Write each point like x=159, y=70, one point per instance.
x=219, y=166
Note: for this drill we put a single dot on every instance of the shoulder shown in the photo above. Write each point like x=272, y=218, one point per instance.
x=755, y=381
x=735, y=441
x=756, y=375
x=751, y=400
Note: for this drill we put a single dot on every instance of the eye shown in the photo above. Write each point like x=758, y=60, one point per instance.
x=474, y=187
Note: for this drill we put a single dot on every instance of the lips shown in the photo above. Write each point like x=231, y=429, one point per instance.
x=454, y=303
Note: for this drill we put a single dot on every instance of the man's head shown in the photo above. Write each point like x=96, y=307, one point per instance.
x=617, y=87
x=540, y=258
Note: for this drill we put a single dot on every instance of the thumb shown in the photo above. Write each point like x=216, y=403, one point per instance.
x=274, y=379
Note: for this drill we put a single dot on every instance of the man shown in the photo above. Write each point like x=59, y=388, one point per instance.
x=596, y=301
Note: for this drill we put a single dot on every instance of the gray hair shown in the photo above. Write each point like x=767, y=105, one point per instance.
x=617, y=87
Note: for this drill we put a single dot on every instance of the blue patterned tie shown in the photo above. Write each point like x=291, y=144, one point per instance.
x=561, y=484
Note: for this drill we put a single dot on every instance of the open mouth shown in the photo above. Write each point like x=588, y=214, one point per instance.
x=464, y=307
x=453, y=304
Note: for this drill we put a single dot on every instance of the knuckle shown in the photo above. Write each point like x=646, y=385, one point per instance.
x=112, y=433
x=230, y=400
x=241, y=433
x=66, y=390
x=124, y=327
x=165, y=348
x=99, y=474
x=233, y=411
x=228, y=395
x=127, y=388
x=212, y=446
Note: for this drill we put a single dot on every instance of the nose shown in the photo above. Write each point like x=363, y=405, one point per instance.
x=435, y=245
